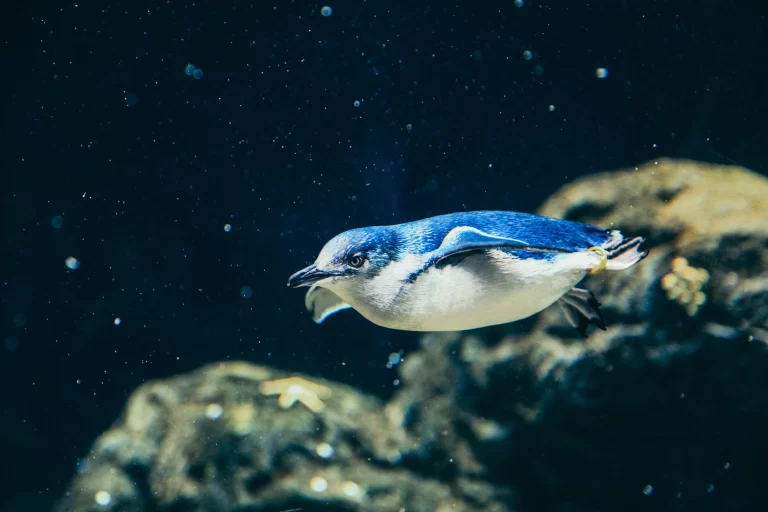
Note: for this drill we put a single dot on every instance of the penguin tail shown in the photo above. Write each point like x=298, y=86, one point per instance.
x=623, y=252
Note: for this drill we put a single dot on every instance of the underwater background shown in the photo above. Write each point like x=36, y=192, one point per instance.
x=167, y=165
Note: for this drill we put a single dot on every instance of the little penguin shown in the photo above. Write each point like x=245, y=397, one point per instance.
x=464, y=271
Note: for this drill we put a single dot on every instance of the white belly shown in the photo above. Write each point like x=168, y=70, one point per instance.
x=478, y=292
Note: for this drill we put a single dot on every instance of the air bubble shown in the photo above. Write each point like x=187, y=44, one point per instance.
x=318, y=484
x=103, y=498
x=326, y=10
x=19, y=320
x=214, y=411
x=11, y=343
x=394, y=359
x=350, y=489
x=324, y=450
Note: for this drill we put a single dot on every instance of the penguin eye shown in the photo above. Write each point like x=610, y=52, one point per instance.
x=356, y=260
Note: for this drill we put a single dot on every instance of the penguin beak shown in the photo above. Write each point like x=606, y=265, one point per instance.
x=307, y=277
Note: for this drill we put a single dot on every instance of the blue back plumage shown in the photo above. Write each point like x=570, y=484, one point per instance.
x=426, y=235
x=385, y=243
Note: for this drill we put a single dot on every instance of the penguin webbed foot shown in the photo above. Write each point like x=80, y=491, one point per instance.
x=581, y=308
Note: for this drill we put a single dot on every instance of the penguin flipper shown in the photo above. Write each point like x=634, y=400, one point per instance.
x=322, y=303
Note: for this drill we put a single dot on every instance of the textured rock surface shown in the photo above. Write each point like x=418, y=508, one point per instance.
x=666, y=410
x=716, y=217
x=214, y=440
x=663, y=411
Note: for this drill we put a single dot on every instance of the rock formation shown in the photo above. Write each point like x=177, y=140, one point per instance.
x=236, y=436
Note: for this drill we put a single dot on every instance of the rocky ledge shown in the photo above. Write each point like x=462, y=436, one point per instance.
x=236, y=436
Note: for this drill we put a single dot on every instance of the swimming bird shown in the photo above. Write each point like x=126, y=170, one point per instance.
x=465, y=270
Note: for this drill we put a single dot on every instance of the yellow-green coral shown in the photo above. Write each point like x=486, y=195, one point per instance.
x=684, y=285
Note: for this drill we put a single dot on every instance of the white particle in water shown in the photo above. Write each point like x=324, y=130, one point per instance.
x=394, y=359
x=350, y=488
x=214, y=411
x=117, y=320
x=356, y=103
x=326, y=10
x=227, y=228
x=324, y=450
x=601, y=73
x=318, y=484
x=409, y=127
x=103, y=498
x=72, y=263
x=519, y=3
x=551, y=108
x=527, y=54
x=648, y=490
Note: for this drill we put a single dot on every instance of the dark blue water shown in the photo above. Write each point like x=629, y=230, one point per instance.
x=188, y=195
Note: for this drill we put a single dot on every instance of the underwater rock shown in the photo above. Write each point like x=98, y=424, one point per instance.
x=708, y=221
x=236, y=436
x=665, y=409
x=610, y=426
